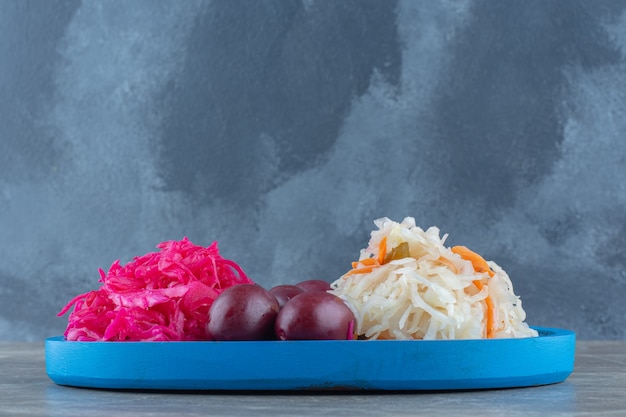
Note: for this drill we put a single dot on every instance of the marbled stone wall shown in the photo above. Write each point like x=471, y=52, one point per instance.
x=282, y=129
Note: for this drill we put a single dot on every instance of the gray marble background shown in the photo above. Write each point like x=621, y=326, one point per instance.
x=282, y=129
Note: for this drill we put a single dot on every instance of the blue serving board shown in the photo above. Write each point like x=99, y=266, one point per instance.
x=314, y=365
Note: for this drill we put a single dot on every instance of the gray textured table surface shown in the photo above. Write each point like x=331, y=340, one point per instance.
x=597, y=387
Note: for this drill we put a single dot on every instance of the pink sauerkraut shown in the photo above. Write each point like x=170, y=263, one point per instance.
x=160, y=296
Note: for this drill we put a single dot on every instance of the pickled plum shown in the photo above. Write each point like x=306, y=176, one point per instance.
x=284, y=293
x=243, y=312
x=315, y=315
x=314, y=285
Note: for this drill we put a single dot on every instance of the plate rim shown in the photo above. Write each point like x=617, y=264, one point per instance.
x=350, y=371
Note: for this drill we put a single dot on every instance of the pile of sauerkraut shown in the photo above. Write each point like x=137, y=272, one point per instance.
x=160, y=296
x=408, y=285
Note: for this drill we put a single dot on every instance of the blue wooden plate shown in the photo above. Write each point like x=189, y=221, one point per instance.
x=314, y=365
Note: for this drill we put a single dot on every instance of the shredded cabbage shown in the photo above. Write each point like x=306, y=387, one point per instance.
x=164, y=295
x=408, y=285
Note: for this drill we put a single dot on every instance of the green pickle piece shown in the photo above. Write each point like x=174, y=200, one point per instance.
x=399, y=252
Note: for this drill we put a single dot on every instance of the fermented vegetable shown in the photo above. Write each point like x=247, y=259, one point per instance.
x=408, y=285
x=164, y=295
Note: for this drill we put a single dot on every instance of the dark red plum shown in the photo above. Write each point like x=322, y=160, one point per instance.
x=243, y=312
x=315, y=315
x=284, y=293
x=314, y=285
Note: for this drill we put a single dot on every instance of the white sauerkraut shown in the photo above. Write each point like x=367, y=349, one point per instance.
x=408, y=285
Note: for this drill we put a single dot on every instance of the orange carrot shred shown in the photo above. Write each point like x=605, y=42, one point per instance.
x=480, y=265
x=363, y=266
x=447, y=262
x=368, y=261
x=382, y=250
x=364, y=270
x=490, y=311
x=491, y=330
x=478, y=262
